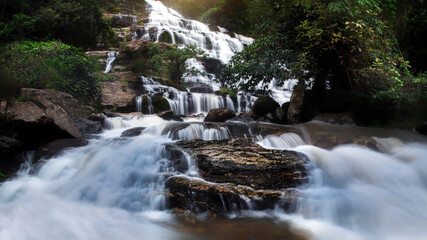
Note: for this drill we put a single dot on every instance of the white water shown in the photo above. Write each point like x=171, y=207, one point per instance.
x=217, y=44
x=357, y=193
x=111, y=56
x=163, y=20
x=113, y=188
x=186, y=103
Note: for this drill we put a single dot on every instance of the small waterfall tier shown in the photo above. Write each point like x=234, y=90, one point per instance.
x=186, y=103
x=111, y=56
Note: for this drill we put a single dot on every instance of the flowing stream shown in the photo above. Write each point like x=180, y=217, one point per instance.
x=114, y=188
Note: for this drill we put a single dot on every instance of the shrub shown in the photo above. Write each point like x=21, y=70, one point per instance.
x=50, y=65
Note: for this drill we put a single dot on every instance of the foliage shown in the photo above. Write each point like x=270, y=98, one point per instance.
x=9, y=86
x=226, y=91
x=75, y=22
x=175, y=59
x=344, y=42
x=50, y=65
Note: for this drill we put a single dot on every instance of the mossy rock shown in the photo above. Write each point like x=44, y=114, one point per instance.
x=160, y=104
x=165, y=37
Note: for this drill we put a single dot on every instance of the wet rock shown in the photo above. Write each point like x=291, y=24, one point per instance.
x=280, y=116
x=211, y=64
x=241, y=161
x=422, y=129
x=123, y=20
x=198, y=196
x=244, y=117
x=170, y=115
x=133, y=132
x=166, y=115
x=201, y=89
x=112, y=115
x=264, y=105
x=114, y=95
x=50, y=106
x=56, y=147
x=219, y=115
x=235, y=129
x=160, y=104
x=177, y=118
x=337, y=118
x=296, y=104
x=328, y=141
x=86, y=126
x=7, y=143
x=265, y=129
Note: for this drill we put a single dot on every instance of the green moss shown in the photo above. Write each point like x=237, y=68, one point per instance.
x=225, y=91
x=145, y=104
x=165, y=37
x=160, y=104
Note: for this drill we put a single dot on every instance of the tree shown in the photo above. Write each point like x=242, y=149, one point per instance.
x=175, y=61
x=344, y=42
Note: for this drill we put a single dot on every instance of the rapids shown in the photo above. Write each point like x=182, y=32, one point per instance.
x=114, y=188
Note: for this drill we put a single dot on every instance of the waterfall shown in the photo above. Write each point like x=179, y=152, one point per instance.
x=166, y=24
x=111, y=56
x=284, y=141
x=138, y=104
x=186, y=103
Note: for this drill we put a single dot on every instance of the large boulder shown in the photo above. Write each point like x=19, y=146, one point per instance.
x=123, y=20
x=115, y=95
x=50, y=106
x=211, y=64
x=264, y=105
x=133, y=132
x=243, y=162
x=296, y=104
x=56, y=147
x=219, y=115
x=199, y=196
x=160, y=104
x=169, y=115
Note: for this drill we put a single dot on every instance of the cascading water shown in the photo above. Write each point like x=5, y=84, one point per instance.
x=111, y=56
x=186, y=103
x=165, y=24
x=114, y=188
x=357, y=193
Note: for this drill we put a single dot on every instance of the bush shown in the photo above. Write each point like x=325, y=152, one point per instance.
x=50, y=65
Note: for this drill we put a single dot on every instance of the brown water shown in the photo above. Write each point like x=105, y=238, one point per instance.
x=241, y=228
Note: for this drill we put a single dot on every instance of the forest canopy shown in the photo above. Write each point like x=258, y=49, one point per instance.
x=75, y=22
